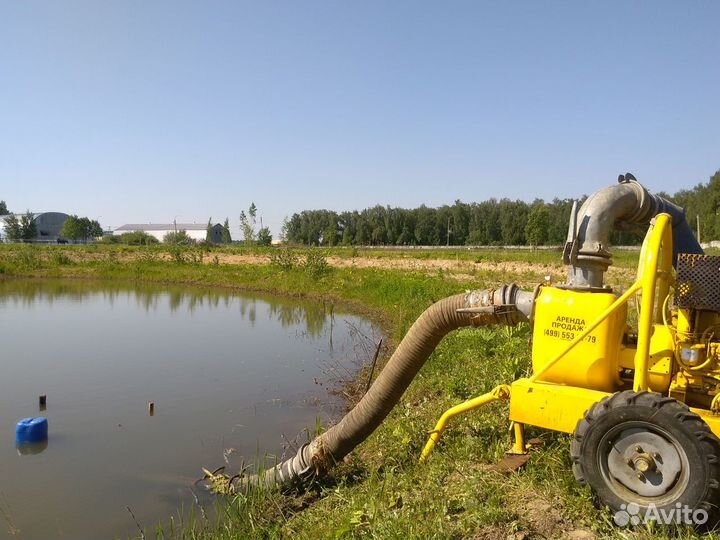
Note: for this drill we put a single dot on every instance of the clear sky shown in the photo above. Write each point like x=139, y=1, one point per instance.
x=150, y=110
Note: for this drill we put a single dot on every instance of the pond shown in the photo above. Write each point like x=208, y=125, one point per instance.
x=231, y=377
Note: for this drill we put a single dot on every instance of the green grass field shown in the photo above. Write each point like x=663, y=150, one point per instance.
x=381, y=491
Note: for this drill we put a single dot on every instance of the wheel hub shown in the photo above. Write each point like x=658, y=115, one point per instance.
x=644, y=462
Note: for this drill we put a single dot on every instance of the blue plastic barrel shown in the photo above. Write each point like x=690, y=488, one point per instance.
x=31, y=430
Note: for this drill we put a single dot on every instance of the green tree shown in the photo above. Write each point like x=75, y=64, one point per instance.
x=71, y=228
x=13, y=231
x=513, y=218
x=209, y=232
x=484, y=227
x=85, y=228
x=3, y=209
x=285, y=229
x=28, y=227
x=425, y=228
x=346, y=236
x=538, y=224
x=264, y=238
x=247, y=223
x=226, y=238
x=330, y=234
x=96, y=230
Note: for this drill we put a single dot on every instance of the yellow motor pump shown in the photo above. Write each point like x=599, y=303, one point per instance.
x=638, y=389
x=641, y=400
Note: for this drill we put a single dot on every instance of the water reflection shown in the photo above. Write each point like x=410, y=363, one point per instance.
x=147, y=384
x=288, y=312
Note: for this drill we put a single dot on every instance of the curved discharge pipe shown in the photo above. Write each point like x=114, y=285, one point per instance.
x=623, y=205
x=507, y=305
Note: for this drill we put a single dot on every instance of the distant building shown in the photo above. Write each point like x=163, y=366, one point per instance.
x=195, y=231
x=47, y=224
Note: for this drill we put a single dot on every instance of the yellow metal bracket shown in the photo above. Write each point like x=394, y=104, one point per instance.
x=497, y=393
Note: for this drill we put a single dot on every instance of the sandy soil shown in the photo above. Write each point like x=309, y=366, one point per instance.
x=460, y=270
x=521, y=272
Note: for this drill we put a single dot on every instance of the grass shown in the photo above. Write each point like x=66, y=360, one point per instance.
x=381, y=491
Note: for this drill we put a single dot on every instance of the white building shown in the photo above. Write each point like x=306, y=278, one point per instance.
x=195, y=231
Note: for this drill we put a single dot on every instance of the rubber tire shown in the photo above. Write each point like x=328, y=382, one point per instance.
x=701, y=446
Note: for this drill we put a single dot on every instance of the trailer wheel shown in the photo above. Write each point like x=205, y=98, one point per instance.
x=644, y=454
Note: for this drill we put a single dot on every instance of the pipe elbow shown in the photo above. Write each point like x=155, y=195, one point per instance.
x=620, y=206
x=628, y=203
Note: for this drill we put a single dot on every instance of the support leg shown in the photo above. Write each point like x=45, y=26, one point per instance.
x=499, y=392
x=519, y=447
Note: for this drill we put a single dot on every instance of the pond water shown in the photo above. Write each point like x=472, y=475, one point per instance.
x=232, y=376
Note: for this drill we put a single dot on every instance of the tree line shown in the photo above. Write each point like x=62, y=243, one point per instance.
x=491, y=222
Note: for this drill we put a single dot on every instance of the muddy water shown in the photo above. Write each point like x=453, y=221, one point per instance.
x=230, y=376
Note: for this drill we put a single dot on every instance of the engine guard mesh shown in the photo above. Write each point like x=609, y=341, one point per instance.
x=698, y=282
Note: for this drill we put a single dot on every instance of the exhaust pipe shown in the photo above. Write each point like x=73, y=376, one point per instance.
x=622, y=206
x=507, y=305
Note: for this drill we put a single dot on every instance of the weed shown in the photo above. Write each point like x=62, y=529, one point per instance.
x=316, y=265
x=26, y=258
x=283, y=258
x=197, y=255
x=177, y=253
x=181, y=254
x=59, y=258
x=148, y=255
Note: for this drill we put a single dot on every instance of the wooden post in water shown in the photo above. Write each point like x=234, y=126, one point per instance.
x=372, y=368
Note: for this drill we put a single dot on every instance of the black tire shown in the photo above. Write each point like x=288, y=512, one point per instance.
x=683, y=455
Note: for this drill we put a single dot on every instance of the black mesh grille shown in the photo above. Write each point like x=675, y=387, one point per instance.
x=698, y=282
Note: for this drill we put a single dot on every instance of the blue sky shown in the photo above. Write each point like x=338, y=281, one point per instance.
x=136, y=111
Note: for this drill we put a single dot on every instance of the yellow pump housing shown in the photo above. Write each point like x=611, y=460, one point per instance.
x=560, y=316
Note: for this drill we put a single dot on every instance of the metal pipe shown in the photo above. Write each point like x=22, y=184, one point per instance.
x=507, y=305
x=622, y=206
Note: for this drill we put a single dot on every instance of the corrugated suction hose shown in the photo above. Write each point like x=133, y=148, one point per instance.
x=506, y=305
